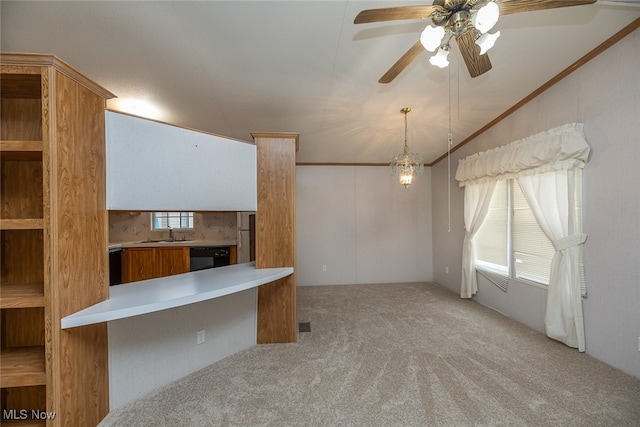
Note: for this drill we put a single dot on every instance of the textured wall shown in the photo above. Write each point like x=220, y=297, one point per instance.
x=363, y=225
x=604, y=94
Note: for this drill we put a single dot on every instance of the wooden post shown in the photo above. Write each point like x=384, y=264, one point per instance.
x=275, y=234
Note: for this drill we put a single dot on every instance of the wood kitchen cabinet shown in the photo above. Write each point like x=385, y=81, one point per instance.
x=172, y=260
x=53, y=235
x=152, y=262
x=138, y=264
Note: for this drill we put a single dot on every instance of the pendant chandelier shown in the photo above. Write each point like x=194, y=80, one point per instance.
x=406, y=164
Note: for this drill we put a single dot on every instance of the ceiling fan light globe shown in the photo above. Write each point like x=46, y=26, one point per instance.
x=431, y=37
x=440, y=58
x=486, y=17
x=486, y=41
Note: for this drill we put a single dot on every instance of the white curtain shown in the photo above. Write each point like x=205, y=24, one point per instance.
x=477, y=198
x=542, y=163
x=560, y=148
x=550, y=196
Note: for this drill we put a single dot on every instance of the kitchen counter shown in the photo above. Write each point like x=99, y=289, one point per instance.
x=148, y=296
x=190, y=243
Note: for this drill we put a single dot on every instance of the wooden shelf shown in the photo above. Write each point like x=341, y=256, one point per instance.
x=22, y=366
x=21, y=295
x=22, y=224
x=21, y=150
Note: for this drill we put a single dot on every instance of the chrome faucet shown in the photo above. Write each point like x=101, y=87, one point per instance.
x=170, y=234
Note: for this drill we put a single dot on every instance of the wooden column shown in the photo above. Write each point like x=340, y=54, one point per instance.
x=275, y=234
x=78, y=235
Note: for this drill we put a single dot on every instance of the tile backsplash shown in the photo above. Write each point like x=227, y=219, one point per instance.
x=136, y=226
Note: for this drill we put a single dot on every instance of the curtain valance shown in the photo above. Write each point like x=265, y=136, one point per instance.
x=560, y=148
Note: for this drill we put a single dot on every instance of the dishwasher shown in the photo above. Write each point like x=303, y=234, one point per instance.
x=202, y=257
x=115, y=266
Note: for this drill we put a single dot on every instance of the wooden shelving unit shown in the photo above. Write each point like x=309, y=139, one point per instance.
x=52, y=217
x=23, y=374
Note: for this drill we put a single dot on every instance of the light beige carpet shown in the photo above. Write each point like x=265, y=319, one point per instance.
x=397, y=355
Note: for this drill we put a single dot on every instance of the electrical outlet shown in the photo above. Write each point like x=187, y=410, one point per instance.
x=446, y=270
x=324, y=267
x=200, y=337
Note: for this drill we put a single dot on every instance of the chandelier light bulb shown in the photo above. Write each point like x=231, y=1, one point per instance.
x=486, y=41
x=486, y=17
x=431, y=37
x=406, y=179
x=440, y=58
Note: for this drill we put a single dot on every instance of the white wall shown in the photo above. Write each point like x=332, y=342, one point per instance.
x=363, y=225
x=150, y=351
x=604, y=94
x=153, y=166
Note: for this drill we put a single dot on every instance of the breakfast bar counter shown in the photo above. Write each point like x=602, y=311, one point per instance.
x=148, y=296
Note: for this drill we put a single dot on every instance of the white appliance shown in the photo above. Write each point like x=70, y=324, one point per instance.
x=244, y=236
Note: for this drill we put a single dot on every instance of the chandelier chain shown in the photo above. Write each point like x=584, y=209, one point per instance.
x=406, y=146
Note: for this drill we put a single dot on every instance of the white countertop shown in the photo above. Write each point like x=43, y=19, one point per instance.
x=148, y=296
x=154, y=243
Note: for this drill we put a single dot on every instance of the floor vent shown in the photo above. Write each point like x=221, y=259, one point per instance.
x=304, y=327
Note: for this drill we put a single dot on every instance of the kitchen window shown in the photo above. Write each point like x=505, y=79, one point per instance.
x=171, y=220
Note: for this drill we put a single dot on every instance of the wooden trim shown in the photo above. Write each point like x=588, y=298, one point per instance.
x=17, y=69
x=340, y=164
x=40, y=59
x=280, y=135
x=558, y=77
x=233, y=254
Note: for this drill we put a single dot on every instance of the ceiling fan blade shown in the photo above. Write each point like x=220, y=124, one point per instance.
x=516, y=6
x=476, y=64
x=394, y=14
x=402, y=63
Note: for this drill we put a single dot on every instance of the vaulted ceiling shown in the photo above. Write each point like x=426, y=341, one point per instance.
x=236, y=67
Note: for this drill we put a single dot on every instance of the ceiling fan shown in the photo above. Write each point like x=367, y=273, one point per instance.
x=468, y=21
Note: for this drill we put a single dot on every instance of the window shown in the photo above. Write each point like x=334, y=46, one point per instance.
x=491, y=240
x=510, y=242
x=532, y=250
x=165, y=220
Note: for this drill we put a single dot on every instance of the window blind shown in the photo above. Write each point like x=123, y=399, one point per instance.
x=491, y=241
x=532, y=250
